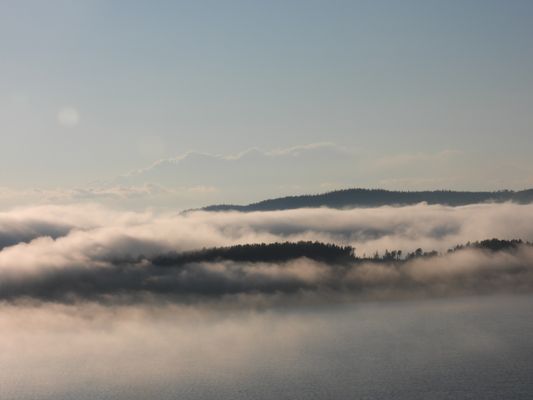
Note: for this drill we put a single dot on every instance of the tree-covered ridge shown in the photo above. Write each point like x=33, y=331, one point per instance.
x=318, y=251
x=352, y=198
x=487, y=244
x=262, y=252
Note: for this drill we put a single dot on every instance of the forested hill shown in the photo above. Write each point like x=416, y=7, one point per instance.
x=327, y=253
x=352, y=198
x=261, y=252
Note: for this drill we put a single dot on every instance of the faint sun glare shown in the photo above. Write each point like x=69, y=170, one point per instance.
x=68, y=117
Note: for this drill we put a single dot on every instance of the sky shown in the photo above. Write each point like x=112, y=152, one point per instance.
x=170, y=97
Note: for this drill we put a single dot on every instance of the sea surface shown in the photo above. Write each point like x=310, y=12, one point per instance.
x=460, y=348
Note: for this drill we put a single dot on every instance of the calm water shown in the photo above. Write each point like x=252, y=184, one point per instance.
x=467, y=348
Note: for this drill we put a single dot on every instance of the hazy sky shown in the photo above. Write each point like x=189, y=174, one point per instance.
x=93, y=89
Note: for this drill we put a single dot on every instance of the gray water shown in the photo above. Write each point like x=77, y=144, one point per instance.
x=462, y=348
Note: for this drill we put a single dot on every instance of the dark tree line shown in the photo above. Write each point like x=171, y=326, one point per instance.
x=492, y=244
x=323, y=252
x=399, y=255
x=488, y=244
x=272, y=252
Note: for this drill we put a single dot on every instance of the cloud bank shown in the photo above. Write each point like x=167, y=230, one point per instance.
x=87, y=252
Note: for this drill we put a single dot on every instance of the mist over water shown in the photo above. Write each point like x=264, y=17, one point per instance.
x=468, y=347
x=85, y=314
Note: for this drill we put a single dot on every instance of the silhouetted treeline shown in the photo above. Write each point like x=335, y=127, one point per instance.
x=488, y=244
x=272, y=252
x=323, y=252
x=492, y=244
x=397, y=255
x=352, y=198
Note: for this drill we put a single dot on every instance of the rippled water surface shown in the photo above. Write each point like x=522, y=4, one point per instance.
x=463, y=348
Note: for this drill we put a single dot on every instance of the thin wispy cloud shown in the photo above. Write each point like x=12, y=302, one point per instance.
x=294, y=151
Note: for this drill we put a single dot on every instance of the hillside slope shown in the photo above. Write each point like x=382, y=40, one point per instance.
x=352, y=198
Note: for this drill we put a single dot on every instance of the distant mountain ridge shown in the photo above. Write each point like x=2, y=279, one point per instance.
x=354, y=198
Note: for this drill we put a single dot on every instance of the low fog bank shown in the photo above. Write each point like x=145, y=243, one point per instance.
x=465, y=271
x=85, y=228
x=87, y=252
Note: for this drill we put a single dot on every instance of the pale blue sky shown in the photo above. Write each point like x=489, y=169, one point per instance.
x=142, y=81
